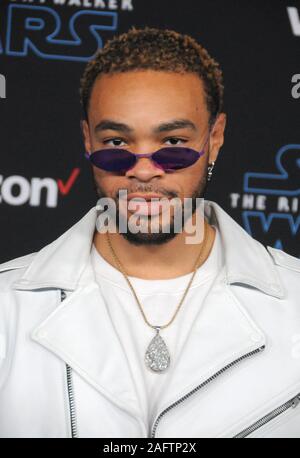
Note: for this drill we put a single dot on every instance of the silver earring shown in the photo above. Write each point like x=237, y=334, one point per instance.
x=210, y=170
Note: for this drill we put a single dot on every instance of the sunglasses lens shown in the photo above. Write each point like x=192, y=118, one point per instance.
x=113, y=160
x=175, y=158
x=120, y=160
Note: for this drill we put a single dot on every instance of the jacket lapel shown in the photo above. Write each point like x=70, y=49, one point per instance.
x=222, y=333
x=81, y=333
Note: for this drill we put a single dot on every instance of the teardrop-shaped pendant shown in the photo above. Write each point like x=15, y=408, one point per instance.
x=157, y=356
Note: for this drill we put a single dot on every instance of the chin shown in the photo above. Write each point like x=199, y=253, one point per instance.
x=149, y=238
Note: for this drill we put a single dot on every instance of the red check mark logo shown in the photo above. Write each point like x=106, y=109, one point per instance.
x=64, y=188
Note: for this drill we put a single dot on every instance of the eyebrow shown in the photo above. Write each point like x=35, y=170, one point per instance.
x=175, y=124
x=108, y=124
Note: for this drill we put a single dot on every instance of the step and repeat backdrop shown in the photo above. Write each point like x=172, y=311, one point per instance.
x=46, y=183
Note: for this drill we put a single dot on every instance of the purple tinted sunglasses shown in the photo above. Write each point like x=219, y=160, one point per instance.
x=168, y=159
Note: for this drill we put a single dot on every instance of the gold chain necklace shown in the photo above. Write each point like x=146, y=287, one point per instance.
x=157, y=356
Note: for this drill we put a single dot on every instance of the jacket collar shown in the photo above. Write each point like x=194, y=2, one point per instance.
x=62, y=263
x=246, y=260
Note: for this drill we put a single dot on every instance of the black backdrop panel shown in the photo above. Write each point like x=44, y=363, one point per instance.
x=45, y=182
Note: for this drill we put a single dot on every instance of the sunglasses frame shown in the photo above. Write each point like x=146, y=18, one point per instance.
x=149, y=155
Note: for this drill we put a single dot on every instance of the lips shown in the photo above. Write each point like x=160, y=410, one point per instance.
x=142, y=204
x=142, y=197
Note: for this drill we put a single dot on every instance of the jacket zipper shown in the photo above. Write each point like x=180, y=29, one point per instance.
x=73, y=419
x=292, y=403
x=70, y=388
x=210, y=379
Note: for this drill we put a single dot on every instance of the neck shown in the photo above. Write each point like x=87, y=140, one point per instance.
x=156, y=262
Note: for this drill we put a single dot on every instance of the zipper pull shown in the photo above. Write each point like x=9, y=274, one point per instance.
x=296, y=401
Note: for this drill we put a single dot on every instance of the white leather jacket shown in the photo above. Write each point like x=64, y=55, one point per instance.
x=64, y=373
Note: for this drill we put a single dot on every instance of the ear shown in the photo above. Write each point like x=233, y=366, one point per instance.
x=86, y=135
x=217, y=137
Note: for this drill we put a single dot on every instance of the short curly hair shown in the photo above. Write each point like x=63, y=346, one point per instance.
x=155, y=49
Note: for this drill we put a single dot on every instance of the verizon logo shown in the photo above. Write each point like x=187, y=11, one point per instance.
x=17, y=190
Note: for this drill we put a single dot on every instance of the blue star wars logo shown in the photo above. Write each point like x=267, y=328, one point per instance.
x=38, y=30
x=270, y=201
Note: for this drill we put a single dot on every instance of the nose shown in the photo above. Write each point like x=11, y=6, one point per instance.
x=144, y=169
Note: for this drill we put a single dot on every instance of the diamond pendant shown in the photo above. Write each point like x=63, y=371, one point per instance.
x=157, y=356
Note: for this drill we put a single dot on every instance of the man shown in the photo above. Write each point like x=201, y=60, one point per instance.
x=141, y=333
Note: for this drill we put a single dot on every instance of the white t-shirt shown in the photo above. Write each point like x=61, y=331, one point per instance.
x=159, y=299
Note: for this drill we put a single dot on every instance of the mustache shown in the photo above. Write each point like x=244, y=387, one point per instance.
x=148, y=189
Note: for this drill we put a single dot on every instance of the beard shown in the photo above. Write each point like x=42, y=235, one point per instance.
x=160, y=237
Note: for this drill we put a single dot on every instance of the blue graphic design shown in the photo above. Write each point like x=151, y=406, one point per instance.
x=43, y=19
x=1, y=28
x=34, y=23
x=288, y=165
x=266, y=221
